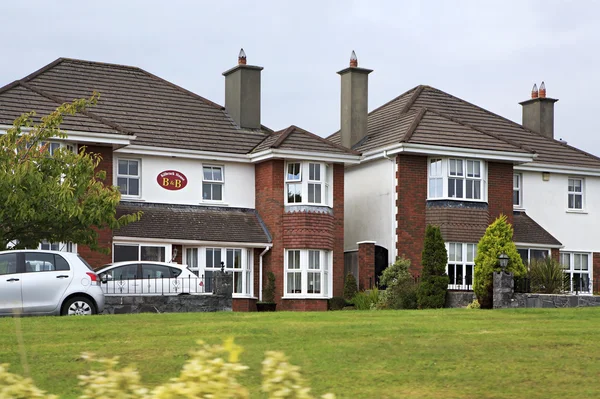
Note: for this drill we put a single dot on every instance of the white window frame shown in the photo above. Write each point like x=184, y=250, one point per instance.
x=139, y=245
x=434, y=177
x=325, y=259
x=54, y=145
x=571, y=269
x=214, y=182
x=464, y=259
x=128, y=176
x=576, y=193
x=529, y=249
x=245, y=271
x=518, y=188
x=325, y=181
x=58, y=246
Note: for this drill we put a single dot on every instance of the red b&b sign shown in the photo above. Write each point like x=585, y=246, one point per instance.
x=171, y=180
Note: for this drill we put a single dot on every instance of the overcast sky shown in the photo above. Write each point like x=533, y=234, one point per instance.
x=489, y=53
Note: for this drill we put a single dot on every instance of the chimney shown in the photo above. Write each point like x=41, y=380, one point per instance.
x=242, y=93
x=538, y=112
x=354, y=102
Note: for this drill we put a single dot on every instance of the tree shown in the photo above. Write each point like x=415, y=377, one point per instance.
x=496, y=240
x=401, y=291
x=56, y=196
x=434, y=280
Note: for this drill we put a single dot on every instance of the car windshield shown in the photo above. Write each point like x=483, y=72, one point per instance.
x=85, y=263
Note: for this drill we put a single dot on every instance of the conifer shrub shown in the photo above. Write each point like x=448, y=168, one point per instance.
x=434, y=280
x=350, y=287
x=496, y=240
x=401, y=291
x=269, y=289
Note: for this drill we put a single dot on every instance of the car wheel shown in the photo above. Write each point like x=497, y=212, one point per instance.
x=78, y=306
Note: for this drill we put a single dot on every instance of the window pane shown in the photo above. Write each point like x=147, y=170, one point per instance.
x=155, y=271
x=477, y=189
x=524, y=254
x=459, y=167
x=206, y=191
x=133, y=168
x=8, y=264
x=293, y=172
x=516, y=182
x=61, y=263
x=538, y=254
x=237, y=283
x=122, y=170
x=451, y=188
x=311, y=193
x=134, y=187
x=229, y=259
x=208, y=174
x=191, y=257
x=516, y=198
x=459, y=188
x=470, y=252
x=124, y=272
x=217, y=192
x=452, y=274
x=122, y=183
x=217, y=174
x=217, y=257
x=124, y=253
x=451, y=252
x=470, y=189
x=584, y=262
x=237, y=260
x=459, y=252
x=469, y=275
x=578, y=202
x=314, y=283
x=313, y=260
x=452, y=167
x=565, y=260
x=294, y=193
x=39, y=262
x=155, y=254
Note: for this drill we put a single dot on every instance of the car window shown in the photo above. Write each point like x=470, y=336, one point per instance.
x=175, y=271
x=8, y=264
x=40, y=262
x=61, y=263
x=126, y=272
x=155, y=271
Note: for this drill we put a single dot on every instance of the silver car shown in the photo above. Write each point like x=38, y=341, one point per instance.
x=48, y=283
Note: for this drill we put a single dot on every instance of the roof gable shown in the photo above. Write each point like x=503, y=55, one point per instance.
x=297, y=139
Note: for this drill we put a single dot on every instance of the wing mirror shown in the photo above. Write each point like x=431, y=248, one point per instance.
x=105, y=278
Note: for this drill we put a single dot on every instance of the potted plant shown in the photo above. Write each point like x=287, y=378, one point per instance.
x=268, y=294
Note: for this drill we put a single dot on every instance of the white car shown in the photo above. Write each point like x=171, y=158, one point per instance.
x=48, y=283
x=149, y=278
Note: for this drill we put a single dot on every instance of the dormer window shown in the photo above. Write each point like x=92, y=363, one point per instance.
x=456, y=178
x=308, y=183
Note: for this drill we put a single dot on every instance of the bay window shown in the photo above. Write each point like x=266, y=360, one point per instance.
x=455, y=178
x=307, y=273
x=577, y=266
x=461, y=261
x=308, y=183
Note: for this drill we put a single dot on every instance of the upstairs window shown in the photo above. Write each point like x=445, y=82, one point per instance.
x=53, y=146
x=128, y=177
x=212, y=183
x=517, y=196
x=575, y=192
x=308, y=183
x=455, y=178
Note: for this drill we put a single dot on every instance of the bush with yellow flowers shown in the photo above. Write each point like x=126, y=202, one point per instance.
x=211, y=372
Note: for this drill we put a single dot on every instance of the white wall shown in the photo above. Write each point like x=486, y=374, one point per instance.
x=238, y=190
x=369, y=196
x=546, y=203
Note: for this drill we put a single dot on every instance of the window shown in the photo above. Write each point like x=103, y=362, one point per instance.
x=455, y=178
x=129, y=252
x=575, y=194
x=308, y=183
x=44, y=262
x=58, y=246
x=461, y=260
x=151, y=271
x=577, y=266
x=238, y=261
x=8, y=264
x=53, y=146
x=307, y=272
x=517, y=196
x=128, y=177
x=212, y=183
x=529, y=254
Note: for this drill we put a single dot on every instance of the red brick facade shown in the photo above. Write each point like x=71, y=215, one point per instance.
x=95, y=258
x=244, y=305
x=298, y=230
x=366, y=265
x=500, y=190
x=596, y=271
x=555, y=254
x=411, y=202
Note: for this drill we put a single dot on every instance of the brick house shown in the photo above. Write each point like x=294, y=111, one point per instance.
x=431, y=158
x=216, y=187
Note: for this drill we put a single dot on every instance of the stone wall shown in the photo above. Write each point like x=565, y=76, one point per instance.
x=553, y=301
x=459, y=299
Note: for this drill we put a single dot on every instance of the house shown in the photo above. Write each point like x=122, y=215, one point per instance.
x=216, y=187
x=429, y=157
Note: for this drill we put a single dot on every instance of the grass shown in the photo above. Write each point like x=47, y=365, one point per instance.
x=450, y=353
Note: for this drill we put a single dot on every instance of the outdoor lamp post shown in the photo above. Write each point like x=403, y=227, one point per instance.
x=503, y=260
x=222, y=266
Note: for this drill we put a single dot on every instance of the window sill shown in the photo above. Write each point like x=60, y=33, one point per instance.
x=580, y=211
x=243, y=296
x=456, y=199
x=307, y=296
x=132, y=199
x=213, y=203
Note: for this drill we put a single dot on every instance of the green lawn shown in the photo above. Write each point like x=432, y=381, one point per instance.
x=451, y=353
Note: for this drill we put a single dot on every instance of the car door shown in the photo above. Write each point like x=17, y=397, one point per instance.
x=122, y=280
x=157, y=280
x=47, y=276
x=10, y=285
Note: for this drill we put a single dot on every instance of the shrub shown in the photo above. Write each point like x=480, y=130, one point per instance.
x=401, y=292
x=336, y=303
x=269, y=289
x=209, y=373
x=547, y=276
x=496, y=240
x=366, y=300
x=474, y=305
x=434, y=280
x=350, y=288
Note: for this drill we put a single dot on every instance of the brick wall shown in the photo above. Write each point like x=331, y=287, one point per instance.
x=555, y=254
x=244, y=305
x=500, y=190
x=458, y=224
x=95, y=258
x=596, y=271
x=304, y=305
x=299, y=230
x=412, y=196
x=366, y=265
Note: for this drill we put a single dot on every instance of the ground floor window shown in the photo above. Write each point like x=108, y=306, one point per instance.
x=148, y=252
x=205, y=261
x=529, y=254
x=461, y=261
x=577, y=266
x=307, y=272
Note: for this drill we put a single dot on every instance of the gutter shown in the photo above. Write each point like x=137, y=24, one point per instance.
x=260, y=272
x=393, y=202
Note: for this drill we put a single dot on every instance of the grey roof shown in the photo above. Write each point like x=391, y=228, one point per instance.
x=449, y=121
x=295, y=138
x=132, y=101
x=527, y=230
x=189, y=222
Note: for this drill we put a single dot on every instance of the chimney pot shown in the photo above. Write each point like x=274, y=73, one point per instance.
x=353, y=60
x=543, y=90
x=242, y=57
x=534, y=91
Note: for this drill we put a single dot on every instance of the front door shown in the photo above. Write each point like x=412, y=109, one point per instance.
x=10, y=285
x=47, y=276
